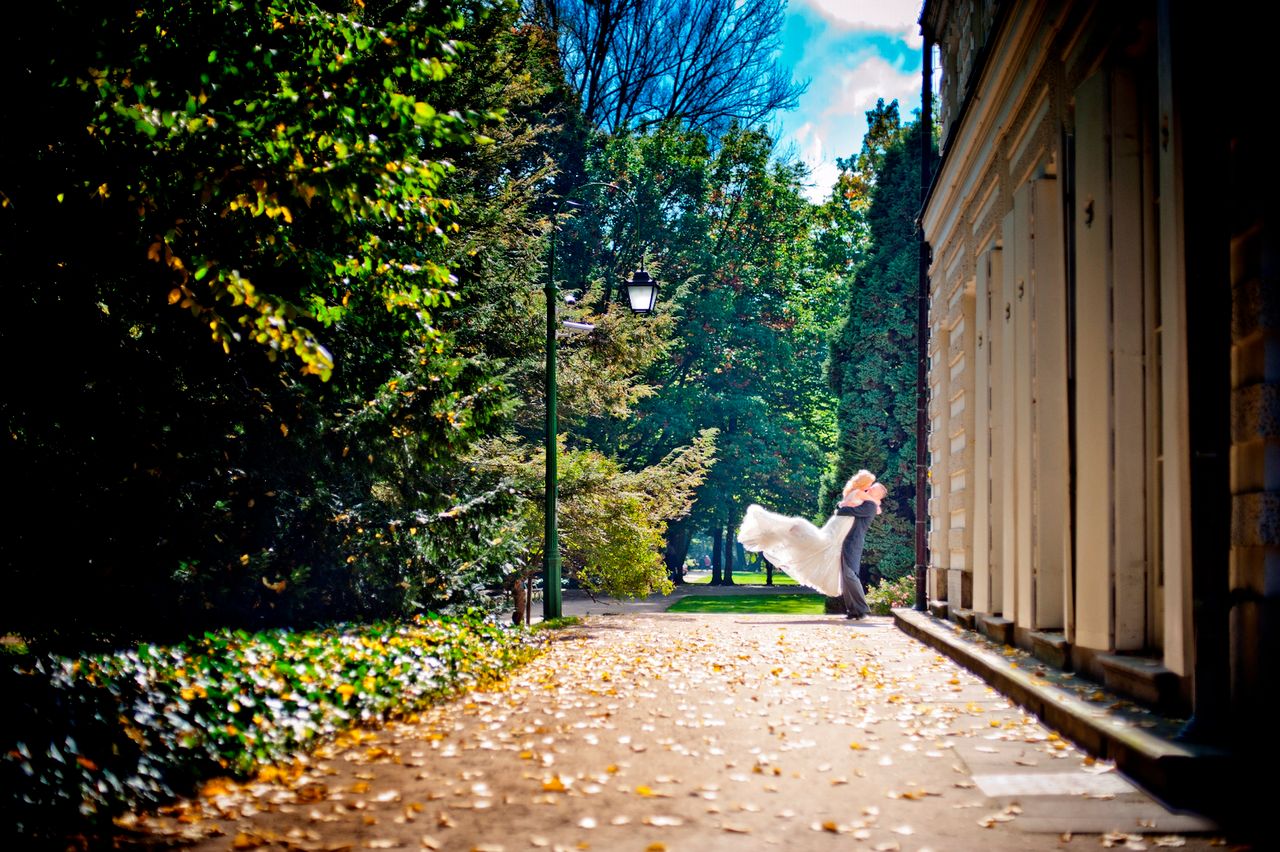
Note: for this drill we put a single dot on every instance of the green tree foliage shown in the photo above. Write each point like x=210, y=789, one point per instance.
x=611, y=517
x=750, y=306
x=612, y=520
x=265, y=174
x=872, y=363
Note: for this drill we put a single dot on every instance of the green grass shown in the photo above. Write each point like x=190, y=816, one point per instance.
x=755, y=578
x=556, y=623
x=758, y=604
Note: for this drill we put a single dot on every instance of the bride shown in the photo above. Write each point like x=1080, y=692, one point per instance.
x=809, y=554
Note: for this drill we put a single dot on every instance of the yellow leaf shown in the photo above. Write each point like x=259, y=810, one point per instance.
x=174, y=296
x=284, y=429
x=644, y=791
x=555, y=785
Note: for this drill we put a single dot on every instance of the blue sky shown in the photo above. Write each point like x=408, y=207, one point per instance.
x=852, y=52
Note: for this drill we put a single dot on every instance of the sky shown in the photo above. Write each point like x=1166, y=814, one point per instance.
x=851, y=52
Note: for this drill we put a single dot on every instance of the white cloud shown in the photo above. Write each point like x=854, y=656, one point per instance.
x=899, y=17
x=839, y=128
x=873, y=78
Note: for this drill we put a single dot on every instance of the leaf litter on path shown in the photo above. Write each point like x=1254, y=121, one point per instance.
x=661, y=730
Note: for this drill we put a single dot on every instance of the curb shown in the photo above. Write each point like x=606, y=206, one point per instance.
x=1177, y=773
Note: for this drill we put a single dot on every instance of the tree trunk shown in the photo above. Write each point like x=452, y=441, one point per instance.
x=519, y=595
x=768, y=571
x=717, y=556
x=729, y=544
x=679, y=535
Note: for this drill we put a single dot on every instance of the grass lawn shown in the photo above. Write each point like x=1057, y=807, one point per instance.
x=745, y=579
x=763, y=604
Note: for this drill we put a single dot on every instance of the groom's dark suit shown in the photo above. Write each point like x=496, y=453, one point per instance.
x=855, y=602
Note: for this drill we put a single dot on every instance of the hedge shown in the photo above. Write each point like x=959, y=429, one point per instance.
x=100, y=734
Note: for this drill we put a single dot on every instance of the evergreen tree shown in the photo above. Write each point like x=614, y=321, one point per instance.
x=872, y=363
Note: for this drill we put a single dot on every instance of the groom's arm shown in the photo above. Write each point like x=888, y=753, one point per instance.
x=862, y=510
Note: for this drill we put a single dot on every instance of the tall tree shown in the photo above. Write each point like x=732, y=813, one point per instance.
x=636, y=64
x=872, y=361
x=746, y=296
x=264, y=175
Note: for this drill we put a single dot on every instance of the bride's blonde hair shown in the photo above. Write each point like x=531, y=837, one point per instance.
x=861, y=479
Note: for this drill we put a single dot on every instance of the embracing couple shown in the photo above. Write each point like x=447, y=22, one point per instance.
x=827, y=558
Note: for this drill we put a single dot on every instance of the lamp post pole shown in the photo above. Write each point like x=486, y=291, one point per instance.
x=551, y=597
x=639, y=288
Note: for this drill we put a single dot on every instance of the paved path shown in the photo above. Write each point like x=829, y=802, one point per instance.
x=707, y=732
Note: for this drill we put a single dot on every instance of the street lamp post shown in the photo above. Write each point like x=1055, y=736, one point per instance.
x=642, y=292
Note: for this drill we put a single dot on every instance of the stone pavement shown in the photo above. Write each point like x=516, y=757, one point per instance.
x=677, y=732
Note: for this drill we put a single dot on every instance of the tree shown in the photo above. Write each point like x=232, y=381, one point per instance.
x=612, y=520
x=637, y=64
x=746, y=297
x=872, y=363
x=611, y=516
x=264, y=175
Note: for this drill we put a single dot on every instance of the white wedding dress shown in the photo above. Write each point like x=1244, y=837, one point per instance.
x=811, y=555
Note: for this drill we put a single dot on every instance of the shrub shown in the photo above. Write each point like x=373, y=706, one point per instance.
x=892, y=593
x=99, y=734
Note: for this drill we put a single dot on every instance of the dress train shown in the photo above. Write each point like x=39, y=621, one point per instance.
x=809, y=554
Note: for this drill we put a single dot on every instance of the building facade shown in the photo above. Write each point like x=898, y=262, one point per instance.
x=1104, y=345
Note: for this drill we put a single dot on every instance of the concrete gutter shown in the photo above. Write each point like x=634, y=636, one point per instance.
x=1141, y=744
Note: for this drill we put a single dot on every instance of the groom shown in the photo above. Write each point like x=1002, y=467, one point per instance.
x=863, y=510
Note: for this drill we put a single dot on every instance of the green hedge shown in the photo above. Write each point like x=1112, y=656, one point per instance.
x=99, y=734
